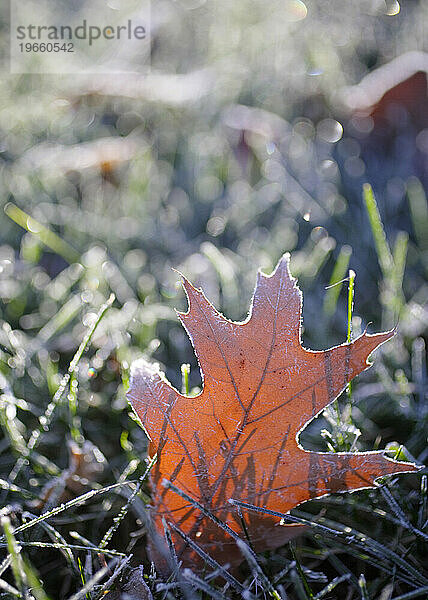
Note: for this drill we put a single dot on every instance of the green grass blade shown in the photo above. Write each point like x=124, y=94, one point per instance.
x=363, y=588
x=383, y=252
x=123, y=511
x=64, y=507
x=418, y=211
x=43, y=233
x=336, y=281
x=306, y=587
x=16, y=561
x=413, y=594
x=185, y=372
x=46, y=418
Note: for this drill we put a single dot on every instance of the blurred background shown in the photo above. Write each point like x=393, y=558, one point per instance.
x=252, y=135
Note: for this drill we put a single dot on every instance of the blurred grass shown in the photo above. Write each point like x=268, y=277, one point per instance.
x=232, y=151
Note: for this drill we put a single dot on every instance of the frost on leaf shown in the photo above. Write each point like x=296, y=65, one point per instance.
x=239, y=437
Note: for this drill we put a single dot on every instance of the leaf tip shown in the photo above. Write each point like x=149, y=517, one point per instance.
x=372, y=341
x=191, y=292
x=363, y=346
x=282, y=267
x=396, y=467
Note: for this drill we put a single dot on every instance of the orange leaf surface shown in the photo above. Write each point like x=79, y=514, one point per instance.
x=239, y=437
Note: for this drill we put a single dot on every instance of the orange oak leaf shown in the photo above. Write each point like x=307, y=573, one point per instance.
x=239, y=437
